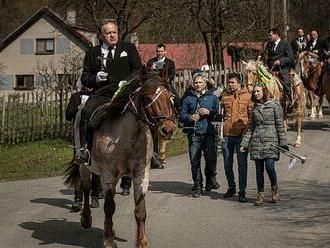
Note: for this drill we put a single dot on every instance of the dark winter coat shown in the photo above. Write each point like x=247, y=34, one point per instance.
x=265, y=127
x=189, y=106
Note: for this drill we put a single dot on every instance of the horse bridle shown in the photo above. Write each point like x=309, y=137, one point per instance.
x=134, y=103
x=152, y=120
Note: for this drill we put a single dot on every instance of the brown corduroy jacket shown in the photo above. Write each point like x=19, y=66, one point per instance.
x=237, y=108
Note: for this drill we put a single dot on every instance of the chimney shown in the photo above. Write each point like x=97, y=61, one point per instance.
x=135, y=39
x=71, y=16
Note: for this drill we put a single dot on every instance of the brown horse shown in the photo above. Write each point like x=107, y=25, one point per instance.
x=311, y=72
x=250, y=69
x=123, y=145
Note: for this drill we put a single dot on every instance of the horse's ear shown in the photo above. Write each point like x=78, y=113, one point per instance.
x=244, y=62
x=259, y=58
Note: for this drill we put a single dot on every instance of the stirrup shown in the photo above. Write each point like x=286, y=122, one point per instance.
x=81, y=157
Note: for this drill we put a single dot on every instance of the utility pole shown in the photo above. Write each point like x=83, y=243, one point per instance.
x=271, y=14
x=285, y=20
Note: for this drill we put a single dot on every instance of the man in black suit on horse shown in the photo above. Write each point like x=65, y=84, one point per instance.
x=105, y=66
x=156, y=64
x=315, y=44
x=299, y=43
x=280, y=59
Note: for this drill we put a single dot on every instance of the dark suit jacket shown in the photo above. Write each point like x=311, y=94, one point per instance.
x=169, y=65
x=318, y=46
x=283, y=53
x=125, y=62
x=296, y=46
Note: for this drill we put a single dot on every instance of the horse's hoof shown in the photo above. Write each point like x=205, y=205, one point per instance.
x=109, y=244
x=86, y=221
x=320, y=116
x=297, y=145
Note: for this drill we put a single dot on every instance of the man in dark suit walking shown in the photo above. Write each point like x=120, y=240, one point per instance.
x=105, y=66
x=280, y=58
x=155, y=64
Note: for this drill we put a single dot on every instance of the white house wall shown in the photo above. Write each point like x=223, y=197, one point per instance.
x=19, y=57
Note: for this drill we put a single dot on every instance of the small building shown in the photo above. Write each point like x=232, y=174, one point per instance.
x=45, y=39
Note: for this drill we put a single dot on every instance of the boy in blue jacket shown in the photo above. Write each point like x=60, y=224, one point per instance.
x=198, y=109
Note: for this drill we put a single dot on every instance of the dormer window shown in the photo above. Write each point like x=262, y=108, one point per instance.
x=45, y=46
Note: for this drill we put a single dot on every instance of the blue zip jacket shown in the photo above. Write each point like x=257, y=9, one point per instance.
x=189, y=106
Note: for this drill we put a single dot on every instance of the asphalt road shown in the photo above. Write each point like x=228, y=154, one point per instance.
x=37, y=212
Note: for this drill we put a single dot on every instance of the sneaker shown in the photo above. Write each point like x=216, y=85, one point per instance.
x=95, y=202
x=197, y=192
x=229, y=193
x=212, y=184
x=242, y=197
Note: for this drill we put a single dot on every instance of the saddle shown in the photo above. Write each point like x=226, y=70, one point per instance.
x=122, y=98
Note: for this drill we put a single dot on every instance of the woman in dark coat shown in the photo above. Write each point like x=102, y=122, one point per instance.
x=265, y=128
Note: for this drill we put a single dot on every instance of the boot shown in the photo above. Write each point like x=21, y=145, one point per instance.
x=155, y=162
x=260, y=199
x=83, y=155
x=95, y=202
x=275, y=194
x=211, y=183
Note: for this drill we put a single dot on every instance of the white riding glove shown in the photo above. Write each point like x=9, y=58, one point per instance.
x=101, y=76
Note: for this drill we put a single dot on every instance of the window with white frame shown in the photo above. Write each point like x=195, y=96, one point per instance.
x=45, y=46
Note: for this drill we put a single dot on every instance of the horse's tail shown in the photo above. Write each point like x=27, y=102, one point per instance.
x=72, y=174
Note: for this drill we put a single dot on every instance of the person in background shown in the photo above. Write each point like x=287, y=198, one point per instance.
x=197, y=111
x=157, y=64
x=281, y=59
x=236, y=103
x=265, y=128
x=76, y=99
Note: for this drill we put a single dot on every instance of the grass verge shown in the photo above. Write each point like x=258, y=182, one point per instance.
x=49, y=157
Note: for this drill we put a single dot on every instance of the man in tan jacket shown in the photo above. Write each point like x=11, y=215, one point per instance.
x=237, y=105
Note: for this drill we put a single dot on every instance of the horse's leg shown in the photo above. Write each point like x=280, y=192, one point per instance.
x=320, y=111
x=313, y=105
x=298, y=142
x=162, y=149
x=109, y=187
x=86, y=218
x=140, y=182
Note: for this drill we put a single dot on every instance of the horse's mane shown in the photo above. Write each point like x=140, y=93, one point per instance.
x=148, y=81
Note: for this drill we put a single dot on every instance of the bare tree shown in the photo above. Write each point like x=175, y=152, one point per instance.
x=64, y=74
x=129, y=14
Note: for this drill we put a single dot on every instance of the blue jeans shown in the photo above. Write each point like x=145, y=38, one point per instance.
x=269, y=163
x=202, y=143
x=232, y=143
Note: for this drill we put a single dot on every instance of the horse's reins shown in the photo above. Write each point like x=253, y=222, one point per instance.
x=135, y=110
x=163, y=117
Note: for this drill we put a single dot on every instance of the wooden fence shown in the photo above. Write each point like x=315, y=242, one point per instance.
x=30, y=116
x=33, y=115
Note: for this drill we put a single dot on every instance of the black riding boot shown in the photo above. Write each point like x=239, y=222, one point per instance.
x=83, y=154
